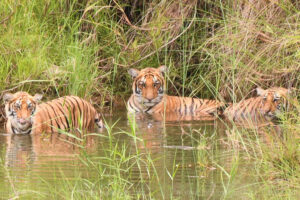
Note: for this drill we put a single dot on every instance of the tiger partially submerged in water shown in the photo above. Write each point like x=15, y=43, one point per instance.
x=25, y=114
x=266, y=106
x=149, y=97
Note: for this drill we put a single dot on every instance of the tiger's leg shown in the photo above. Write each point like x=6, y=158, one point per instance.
x=8, y=127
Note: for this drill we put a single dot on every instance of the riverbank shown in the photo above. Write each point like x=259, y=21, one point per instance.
x=213, y=50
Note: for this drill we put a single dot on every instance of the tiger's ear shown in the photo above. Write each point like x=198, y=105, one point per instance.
x=163, y=69
x=260, y=91
x=8, y=97
x=38, y=97
x=133, y=72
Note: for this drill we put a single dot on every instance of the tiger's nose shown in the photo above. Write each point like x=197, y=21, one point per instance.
x=149, y=100
x=22, y=121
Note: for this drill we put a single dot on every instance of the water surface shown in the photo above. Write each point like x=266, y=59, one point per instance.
x=177, y=159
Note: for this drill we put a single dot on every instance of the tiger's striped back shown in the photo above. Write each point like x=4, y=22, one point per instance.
x=187, y=106
x=263, y=107
x=252, y=108
x=66, y=113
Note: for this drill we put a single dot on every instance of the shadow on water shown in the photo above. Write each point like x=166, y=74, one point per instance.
x=184, y=159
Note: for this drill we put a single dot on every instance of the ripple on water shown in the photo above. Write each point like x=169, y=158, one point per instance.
x=183, y=159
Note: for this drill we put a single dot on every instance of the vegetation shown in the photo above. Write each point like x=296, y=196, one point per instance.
x=222, y=163
x=86, y=47
x=214, y=49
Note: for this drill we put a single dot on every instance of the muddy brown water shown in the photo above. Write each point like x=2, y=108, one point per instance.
x=188, y=160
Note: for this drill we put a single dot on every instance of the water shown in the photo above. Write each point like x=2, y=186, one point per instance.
x=181, y=160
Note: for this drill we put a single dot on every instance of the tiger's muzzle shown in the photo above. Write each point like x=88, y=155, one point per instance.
x=21, y=125
x=151, y=102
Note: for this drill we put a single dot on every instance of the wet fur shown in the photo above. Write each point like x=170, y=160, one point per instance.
x=148, y=96
x=263, y=107
x=65, y=113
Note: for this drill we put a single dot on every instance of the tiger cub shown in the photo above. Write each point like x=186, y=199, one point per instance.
x=149, y=96
x=25, y=115
x=265, y=106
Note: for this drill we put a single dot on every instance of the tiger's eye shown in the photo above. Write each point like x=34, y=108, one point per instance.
x=142, y=84
x=156, y=84
x=278, y=107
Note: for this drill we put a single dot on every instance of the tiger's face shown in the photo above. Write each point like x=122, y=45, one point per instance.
x=274, y=100
x=148, y=85
x=20, y=109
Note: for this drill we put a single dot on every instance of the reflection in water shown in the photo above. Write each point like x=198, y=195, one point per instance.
x=23, y=150
x=182, y=158
x=185, y=151
x=251, y=123
x=61, y=144
x=173, y=146
x=264, y=128
x=32, y=157
x=172, y=117
x=19, y=151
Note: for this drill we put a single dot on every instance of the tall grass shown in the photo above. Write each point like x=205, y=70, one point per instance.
x=212, y=48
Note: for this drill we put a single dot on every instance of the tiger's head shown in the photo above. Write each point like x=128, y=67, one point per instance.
x=275, y=100
x=20, y=109
x=148, y=85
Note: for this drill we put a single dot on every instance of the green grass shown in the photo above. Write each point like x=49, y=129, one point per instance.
x=214, y=49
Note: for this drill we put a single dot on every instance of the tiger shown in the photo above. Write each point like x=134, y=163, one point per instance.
x=265, y=106
x=25, y=114
x=149, y=96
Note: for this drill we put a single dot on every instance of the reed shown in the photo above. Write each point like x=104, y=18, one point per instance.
x=214, y=49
